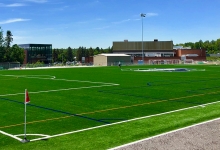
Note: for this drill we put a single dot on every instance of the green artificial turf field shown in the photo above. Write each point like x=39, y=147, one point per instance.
x=70, y=104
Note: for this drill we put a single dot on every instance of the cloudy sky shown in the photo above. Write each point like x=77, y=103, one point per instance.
x=97, y=23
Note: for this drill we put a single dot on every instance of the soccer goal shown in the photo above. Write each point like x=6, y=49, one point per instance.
x=162, y=61
x=188, y=61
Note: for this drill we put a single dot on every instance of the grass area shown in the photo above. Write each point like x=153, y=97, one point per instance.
x=71, y=99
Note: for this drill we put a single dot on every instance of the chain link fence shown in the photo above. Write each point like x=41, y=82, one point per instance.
x=9, y=65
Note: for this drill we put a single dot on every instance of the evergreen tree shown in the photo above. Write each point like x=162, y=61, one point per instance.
x=69, y=54
x=79, y=54
x=2, y=49
x=1, y=38
x=2, y=54
x=8, y=39
x=91, y=52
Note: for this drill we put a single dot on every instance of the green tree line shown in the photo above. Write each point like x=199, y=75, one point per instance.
x=212, y=47
x=76, y=54
x=10, y=53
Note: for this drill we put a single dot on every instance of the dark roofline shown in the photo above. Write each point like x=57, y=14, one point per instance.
x=141, y=41
x=34, y=44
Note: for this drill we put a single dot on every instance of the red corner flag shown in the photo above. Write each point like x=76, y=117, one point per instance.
x=27, y=99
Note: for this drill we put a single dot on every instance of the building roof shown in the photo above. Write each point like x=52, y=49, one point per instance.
x=139, y=45
x=111, y=54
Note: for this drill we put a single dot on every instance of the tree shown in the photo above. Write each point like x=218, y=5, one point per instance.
x=197, y=45
x=79, y=54
x=16, y=54
x=212, y=47
x=91, y=52
x=110, y=49
x=2, y=49
x=2, y=54
x=101, y=51
x=74, y=53
x=218, y=45
x=69, y=54
x=8, y=39
x=1, y=38
x=55, y=55
x=96, y=52
x=206, y=45
x=61, y=56
x=201, y=44
x=97, y=49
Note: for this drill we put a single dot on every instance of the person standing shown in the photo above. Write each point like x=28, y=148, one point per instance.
x=119, y=64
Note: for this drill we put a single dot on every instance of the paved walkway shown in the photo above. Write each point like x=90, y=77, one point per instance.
x=203, y=136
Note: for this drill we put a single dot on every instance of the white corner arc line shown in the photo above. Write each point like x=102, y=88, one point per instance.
x=32, y=135
x=178, y=110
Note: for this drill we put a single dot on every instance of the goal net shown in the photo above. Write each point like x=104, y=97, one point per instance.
x=162, y=61
x=188, y=61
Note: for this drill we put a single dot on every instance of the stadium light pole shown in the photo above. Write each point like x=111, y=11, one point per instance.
x=142, y=16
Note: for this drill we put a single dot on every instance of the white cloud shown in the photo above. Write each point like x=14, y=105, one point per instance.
x=15, y=5
x=82, y=22
x=102, y=28
x=151, y=14
x=99, y=19
x=19, y=37
x=13, y=20
x=63, y=8
x=119, y=22
x=12, y=5
x=37, y=1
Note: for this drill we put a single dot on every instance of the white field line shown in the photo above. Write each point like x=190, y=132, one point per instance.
x=85, y=81
x=30, y=76
x=163, y=134
x=37, y=139
x=10, y=135
x=32, y=135
x=59, y=90
x=53, y=77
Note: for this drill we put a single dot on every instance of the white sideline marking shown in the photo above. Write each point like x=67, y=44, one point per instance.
x=162, y=134
x=37, y=139
x=10, y=135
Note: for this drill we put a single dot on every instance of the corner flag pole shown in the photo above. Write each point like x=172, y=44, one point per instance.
x=26, y=100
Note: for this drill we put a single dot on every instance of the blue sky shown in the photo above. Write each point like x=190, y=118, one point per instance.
x=97, y=23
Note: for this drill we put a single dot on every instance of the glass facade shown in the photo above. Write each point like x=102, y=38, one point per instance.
x=37, y=52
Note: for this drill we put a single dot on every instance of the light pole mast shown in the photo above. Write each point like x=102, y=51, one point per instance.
x=142, y=16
